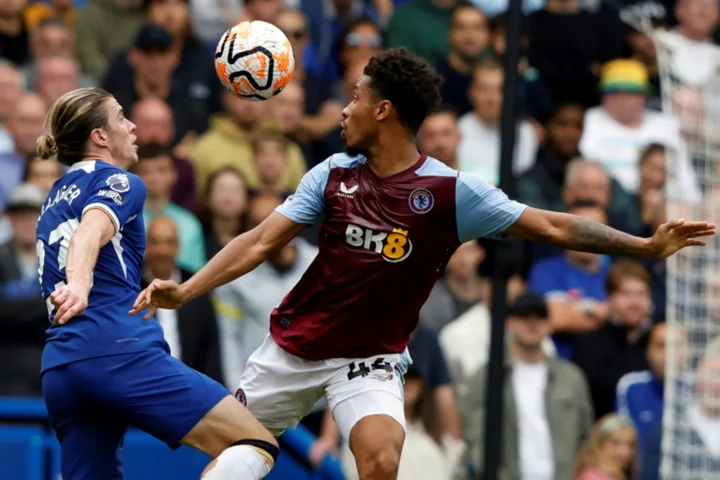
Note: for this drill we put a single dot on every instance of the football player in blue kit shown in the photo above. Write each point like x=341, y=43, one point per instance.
x=103, y=370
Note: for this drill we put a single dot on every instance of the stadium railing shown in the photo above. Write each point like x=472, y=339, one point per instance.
x=29, y=451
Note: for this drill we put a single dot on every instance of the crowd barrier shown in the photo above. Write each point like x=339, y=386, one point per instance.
x=29, y=451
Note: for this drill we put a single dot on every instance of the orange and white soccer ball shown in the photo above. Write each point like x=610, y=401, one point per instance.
x=254, y=60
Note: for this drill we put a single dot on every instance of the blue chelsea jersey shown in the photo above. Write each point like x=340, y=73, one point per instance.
x=105, y=328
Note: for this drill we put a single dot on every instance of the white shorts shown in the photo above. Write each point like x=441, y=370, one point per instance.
x=280, y=389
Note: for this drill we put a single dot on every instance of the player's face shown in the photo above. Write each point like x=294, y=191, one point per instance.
x=121, y=136
x=359, y=125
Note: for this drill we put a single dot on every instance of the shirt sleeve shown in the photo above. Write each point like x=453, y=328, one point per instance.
x=120, y=195
x=307, y=204
x=482, y=210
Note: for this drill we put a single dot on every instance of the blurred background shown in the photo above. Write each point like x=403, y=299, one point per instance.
x=612, y=366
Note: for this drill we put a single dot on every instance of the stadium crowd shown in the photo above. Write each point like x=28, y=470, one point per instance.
x=586, y=336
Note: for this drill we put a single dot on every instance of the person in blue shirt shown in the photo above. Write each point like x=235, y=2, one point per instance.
x=573, y=284
x=102, y=369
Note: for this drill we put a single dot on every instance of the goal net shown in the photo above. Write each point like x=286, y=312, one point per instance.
x=690, y=90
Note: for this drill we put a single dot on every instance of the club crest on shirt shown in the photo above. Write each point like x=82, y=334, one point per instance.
x=421, y=200
x=240, y=396
x=118, y=182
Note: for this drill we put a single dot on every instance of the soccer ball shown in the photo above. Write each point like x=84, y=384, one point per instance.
x=254, y=60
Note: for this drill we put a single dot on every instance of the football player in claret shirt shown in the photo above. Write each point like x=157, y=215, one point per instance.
x=390, y=218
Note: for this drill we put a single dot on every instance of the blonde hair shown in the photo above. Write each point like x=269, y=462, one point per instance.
x=590, y=455
x=69, y=121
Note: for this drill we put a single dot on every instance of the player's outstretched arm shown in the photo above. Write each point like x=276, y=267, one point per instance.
x=241, y=255
x=95, y=230
x=571, y=232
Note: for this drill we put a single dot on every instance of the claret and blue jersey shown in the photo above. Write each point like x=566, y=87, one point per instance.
x=383, y=244
x=105, y=328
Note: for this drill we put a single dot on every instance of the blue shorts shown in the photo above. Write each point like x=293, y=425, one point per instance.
x=92, y=402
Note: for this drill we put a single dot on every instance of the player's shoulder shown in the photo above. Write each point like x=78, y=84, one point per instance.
x=432, y=167
x=343, y=160
x=105, y=175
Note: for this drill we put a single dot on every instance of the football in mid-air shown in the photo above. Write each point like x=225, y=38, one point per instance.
x=254, y=60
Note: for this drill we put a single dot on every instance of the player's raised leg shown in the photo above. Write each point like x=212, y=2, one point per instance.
x=236, y=440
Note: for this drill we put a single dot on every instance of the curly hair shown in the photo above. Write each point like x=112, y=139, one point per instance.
x=408, y=82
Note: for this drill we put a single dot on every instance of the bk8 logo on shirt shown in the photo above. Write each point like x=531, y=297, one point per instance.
x=393, y=247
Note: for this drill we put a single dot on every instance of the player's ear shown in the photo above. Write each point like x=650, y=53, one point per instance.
x=383, y=110
x=99, y=137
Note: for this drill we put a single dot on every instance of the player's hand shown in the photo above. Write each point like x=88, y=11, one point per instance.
x=70, y=301
x=159, y=294
x=672, y=236
x=320, y=449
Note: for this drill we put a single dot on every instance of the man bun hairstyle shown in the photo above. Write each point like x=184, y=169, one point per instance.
x=408, y=82
x=69, y=122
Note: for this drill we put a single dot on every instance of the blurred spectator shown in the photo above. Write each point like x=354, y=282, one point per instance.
x=479, y=150
x=547, y=412
x=11, y=84
x=567, y=46
x=432, y=18
x=642, y=47
x=639, y=395
x=469, y=39
x=424, y=349
x=425, y=455
x=286, y=111
x=351, y=75
x=228, y=143
x=14, y=44
x=698, y=450
x=105, y=28
x=439, y=136
x=327, y=23
x=23, y=316
x=263, y=10
x=293, y=24
x=270, y=155
x=55, y=76
x=193, y=74
x=225, y=209
x=154, y=120
x=359, y=40
x=694, y=60
x=320, y=124
x=191, y=331
x=459, y=289
x=245, y=304
x=25, y=124
x=616, y=131
x=534, y=99
x=38, y=12
x=609, y=453
x=151, y=63
x=158, y=172
x=650, y=195
x=618, y=346
x=573, y=284
x=42, y=173
x=52, y=38
x=497, y=8
x=209, y=19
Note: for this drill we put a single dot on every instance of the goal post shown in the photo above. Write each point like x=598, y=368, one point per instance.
x=690, y=91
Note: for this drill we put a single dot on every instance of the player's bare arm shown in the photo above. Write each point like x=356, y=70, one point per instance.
x=95, y=230
x=581, y=234
x=243, y=254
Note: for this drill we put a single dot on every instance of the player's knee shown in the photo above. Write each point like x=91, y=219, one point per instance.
x=381, y=463
x=243, y=460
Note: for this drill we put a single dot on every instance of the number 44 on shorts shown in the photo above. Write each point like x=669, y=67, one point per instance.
x=362, y=370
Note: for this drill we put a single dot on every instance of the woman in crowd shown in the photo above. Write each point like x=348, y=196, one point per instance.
x=225, y=207
x=610, y=451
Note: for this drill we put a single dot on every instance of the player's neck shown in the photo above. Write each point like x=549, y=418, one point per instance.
x=391, y=157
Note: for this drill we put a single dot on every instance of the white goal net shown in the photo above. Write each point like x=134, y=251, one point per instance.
x=690, y=87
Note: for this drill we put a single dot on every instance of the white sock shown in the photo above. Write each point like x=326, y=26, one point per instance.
x=240, y=462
